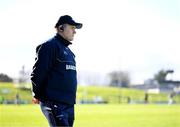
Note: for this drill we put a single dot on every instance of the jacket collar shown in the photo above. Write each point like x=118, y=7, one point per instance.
x=62, y=40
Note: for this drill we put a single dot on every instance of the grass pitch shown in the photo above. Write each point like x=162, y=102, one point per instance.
x=96, y=116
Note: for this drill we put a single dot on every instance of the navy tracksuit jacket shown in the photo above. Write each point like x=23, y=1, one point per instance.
x=54, y=72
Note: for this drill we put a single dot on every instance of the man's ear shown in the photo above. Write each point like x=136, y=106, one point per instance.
x=61, y=28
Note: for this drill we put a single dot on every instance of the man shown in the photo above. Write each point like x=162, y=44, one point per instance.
x=54, y=81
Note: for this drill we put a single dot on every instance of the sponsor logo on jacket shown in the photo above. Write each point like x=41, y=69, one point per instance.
x=70, y=67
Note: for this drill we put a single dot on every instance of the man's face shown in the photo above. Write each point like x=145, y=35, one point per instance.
x=68, y=32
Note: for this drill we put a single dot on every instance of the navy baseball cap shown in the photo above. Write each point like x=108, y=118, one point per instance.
x=66, y=19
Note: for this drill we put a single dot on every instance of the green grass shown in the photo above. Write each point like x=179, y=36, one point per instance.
x=119, y=95
x=111, y=115
x=111, y=95
x=12, y=91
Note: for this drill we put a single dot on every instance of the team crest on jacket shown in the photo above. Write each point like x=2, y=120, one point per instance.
x=65, y=53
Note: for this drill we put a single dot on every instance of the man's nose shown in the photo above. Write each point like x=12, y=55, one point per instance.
x=74, y=31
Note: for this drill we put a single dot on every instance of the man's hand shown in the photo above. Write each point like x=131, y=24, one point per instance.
x=35, y=101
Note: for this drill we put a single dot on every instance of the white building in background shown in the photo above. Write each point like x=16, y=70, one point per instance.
x=23, y=79
x=152, y=86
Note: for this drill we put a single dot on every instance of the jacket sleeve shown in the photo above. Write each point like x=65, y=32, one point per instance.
x=43, y=63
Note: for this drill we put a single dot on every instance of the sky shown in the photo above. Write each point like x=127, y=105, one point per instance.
x=137, y=36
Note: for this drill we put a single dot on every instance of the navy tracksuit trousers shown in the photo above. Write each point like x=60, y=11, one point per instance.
x=58, y=114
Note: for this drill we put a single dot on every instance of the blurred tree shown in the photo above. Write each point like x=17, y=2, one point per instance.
x=119, y=79
x=161, y=75
x=5, y=78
